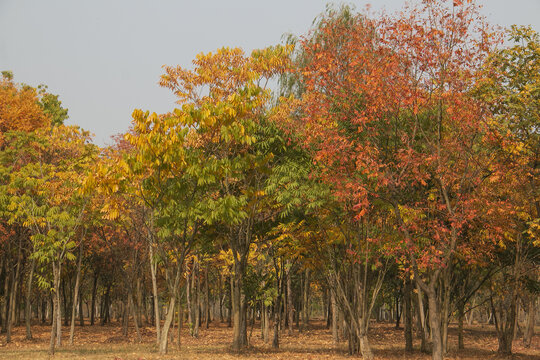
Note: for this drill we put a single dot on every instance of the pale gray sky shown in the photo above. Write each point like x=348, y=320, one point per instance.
x=104, y=57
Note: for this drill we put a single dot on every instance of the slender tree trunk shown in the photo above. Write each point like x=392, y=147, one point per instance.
x=188, y=303
x=173, y=290
x=305, y=302
x=461, y=315
x=290, y=306
x=398, y=313
x=55, y=333
x=408, y=314
x=28, y=305
x=277, y=319
x=13, y=295
x=2, y=300
x=230, y=305
x=76, y=295
x=94, y=292
x=327, y=304
x=5, y=303
x=504, y=323
x=265, y=317
x=195, y=311
x=53, y=327
x=221, y=298
x=435, y=322
x=421, y=321
x=139, y=302
x=155, y=293
x=105, y=305
x=198, y=303
x=180, y=320
x=137, y=330
x=335, y=330
x=125, y=314
x=81, y=312
x=239, y=307
x=531, y=314
x=365, y=346
x=445, y=312
x=206, y=299
x=64, y=297
x=471, y=315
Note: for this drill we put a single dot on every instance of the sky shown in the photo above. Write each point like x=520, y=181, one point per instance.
x=104, y=57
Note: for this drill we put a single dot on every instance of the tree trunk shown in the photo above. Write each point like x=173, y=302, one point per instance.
x=277, y=319
x=290, y=306
x=55, y=333
x=195, y=311
x=445, y=312
x=173, y=291
x=305, y=302
x=266, y=323
x=2, y=299
x=5, y=303
x=206, y=299
x=398, y=312
x=239, y=307
x=365, y=347
x=188, y=302
x=230, y=305
x=105, y=303
x=168, y=320
x=221, y=298
x=155, y=293
x=125, y=314
x=180, y=320
x=408, y=314
x=461, y=315
x=471, y=315
x=421, y=321
x=28, y=305
x=76, y=295
x=13, y=295
x=81, y=313
x=139, y=302
x=94, y=291
x=435, y=323
x=531, y=315
x=504, y=323
x=335, y=330
x=137, y=331
x=198, y=303
x=64, y=297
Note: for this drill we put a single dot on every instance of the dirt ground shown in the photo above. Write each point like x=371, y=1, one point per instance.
x=107, y=342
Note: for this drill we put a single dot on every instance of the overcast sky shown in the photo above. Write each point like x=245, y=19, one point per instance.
x=104, y=57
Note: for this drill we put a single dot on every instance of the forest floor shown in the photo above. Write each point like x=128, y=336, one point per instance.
x=107, y=342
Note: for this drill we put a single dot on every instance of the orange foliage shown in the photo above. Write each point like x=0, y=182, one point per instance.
x=19, y=108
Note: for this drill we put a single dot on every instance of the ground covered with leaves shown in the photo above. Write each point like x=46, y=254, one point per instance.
x=107, y=342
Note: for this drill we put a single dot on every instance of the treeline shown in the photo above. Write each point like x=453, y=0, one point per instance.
x=393, y=175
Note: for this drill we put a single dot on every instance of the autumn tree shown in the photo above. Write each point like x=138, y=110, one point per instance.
x=19, y=107
x=226, y=103
x=510, y=87
x=45, y=198
x=388, y=112
x=19, y=111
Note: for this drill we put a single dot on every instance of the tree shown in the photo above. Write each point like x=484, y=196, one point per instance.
x=45, y=197
x=19, y=107
x=387, y=110
x=224, y=101
x=52, y=107
x=510, y=86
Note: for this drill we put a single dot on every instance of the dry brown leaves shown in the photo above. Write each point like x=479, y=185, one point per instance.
x=107, y=342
